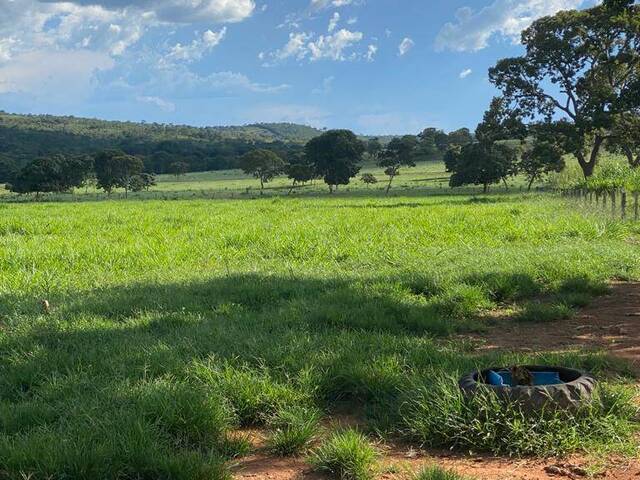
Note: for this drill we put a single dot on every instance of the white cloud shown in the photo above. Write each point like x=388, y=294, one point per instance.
x=162, y=104
x=333, y=22
x=473, y=30
x=371, y=52
x=320, y=4
x=176, y=11
x=53, y=73
x=197, y=48
x=332, y=47
x=465, y=73
x=406, y=45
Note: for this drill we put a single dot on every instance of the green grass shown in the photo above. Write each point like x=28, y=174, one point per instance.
x=346, y=455
x=437, y=473
x=292, y=430
x=173, y=324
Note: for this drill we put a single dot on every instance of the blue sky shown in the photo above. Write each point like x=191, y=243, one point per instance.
x=374, y=66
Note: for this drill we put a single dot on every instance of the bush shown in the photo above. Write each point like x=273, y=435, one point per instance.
x=293, y=429
x=347, y=455
x=536, y=312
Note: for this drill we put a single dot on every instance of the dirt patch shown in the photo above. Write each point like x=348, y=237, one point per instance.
x=612, y=323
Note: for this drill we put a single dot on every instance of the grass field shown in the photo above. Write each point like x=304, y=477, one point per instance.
x=174, y=323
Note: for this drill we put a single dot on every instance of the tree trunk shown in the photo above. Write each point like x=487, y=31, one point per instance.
x=389, y=185
x=485, y=188
x=506, y=186
x=261, y=185
x=531, y=183
x=588, y=166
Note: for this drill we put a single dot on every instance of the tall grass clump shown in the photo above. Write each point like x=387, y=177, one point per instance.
x=346, y=455
x=292, y=429
x=440, y=416
x=434, y=472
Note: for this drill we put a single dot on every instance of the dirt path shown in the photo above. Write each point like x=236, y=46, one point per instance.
x=612, y=322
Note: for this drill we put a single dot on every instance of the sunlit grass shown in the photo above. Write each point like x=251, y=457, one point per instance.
x=174, y=323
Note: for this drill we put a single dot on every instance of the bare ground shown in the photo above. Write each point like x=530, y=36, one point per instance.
x=612, y=322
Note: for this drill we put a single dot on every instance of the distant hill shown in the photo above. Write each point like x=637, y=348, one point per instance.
x=24, y=137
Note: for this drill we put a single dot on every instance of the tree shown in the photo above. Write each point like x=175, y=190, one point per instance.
x=483, y=164
x=179, y=169
x=144, y=181
x=300, y=173
x=262, y=164
x=459, y=138
x=432, y=141
x=368, y=179
x=501, y=123
x=8, y=169
x=374, y=147
x=51, y=174
x=399, y=153
x=626, y=137
x=336, y=155
x=115, y=169
x=580, y=70
x=541, y=159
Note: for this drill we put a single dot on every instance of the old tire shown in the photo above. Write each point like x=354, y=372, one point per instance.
x=576, y=391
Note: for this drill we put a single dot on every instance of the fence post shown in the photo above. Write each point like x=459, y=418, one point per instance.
x=623, y=203
x=636, y=207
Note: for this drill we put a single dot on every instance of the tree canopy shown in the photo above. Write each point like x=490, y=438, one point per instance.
x=399, y=153
x=336, y=155
x=57, y=173
x=263, y=165
x=115, y=169
x=581, y=69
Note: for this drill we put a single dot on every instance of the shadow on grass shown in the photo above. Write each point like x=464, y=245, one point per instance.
x=144, y=380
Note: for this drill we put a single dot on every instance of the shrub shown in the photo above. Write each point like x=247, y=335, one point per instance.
x=347, y=455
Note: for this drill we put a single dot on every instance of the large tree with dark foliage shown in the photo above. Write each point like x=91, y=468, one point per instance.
x=336, y=155
x=115, y=169
x=399, y=153
x=580, y=71
x=57, y=173
x=483, y=164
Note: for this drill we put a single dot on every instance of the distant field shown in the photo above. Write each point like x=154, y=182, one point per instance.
x=426, y=178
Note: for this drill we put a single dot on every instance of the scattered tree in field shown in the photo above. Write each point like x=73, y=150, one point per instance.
x=483, y=164
x=374, y=147
x=115, y=169
x=300, y=173
x=368, y=179
x=52, y=174
x=179, y=169
x=432, y=141
x=144, y=181
x=399, y=153
x=336, y=155
x=263, y=165
x=582, y=66
x=541, y=159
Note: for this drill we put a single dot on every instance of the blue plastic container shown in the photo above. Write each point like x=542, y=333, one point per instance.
x=503, y=378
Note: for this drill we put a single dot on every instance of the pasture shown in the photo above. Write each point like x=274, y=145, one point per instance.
x=175, y=325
